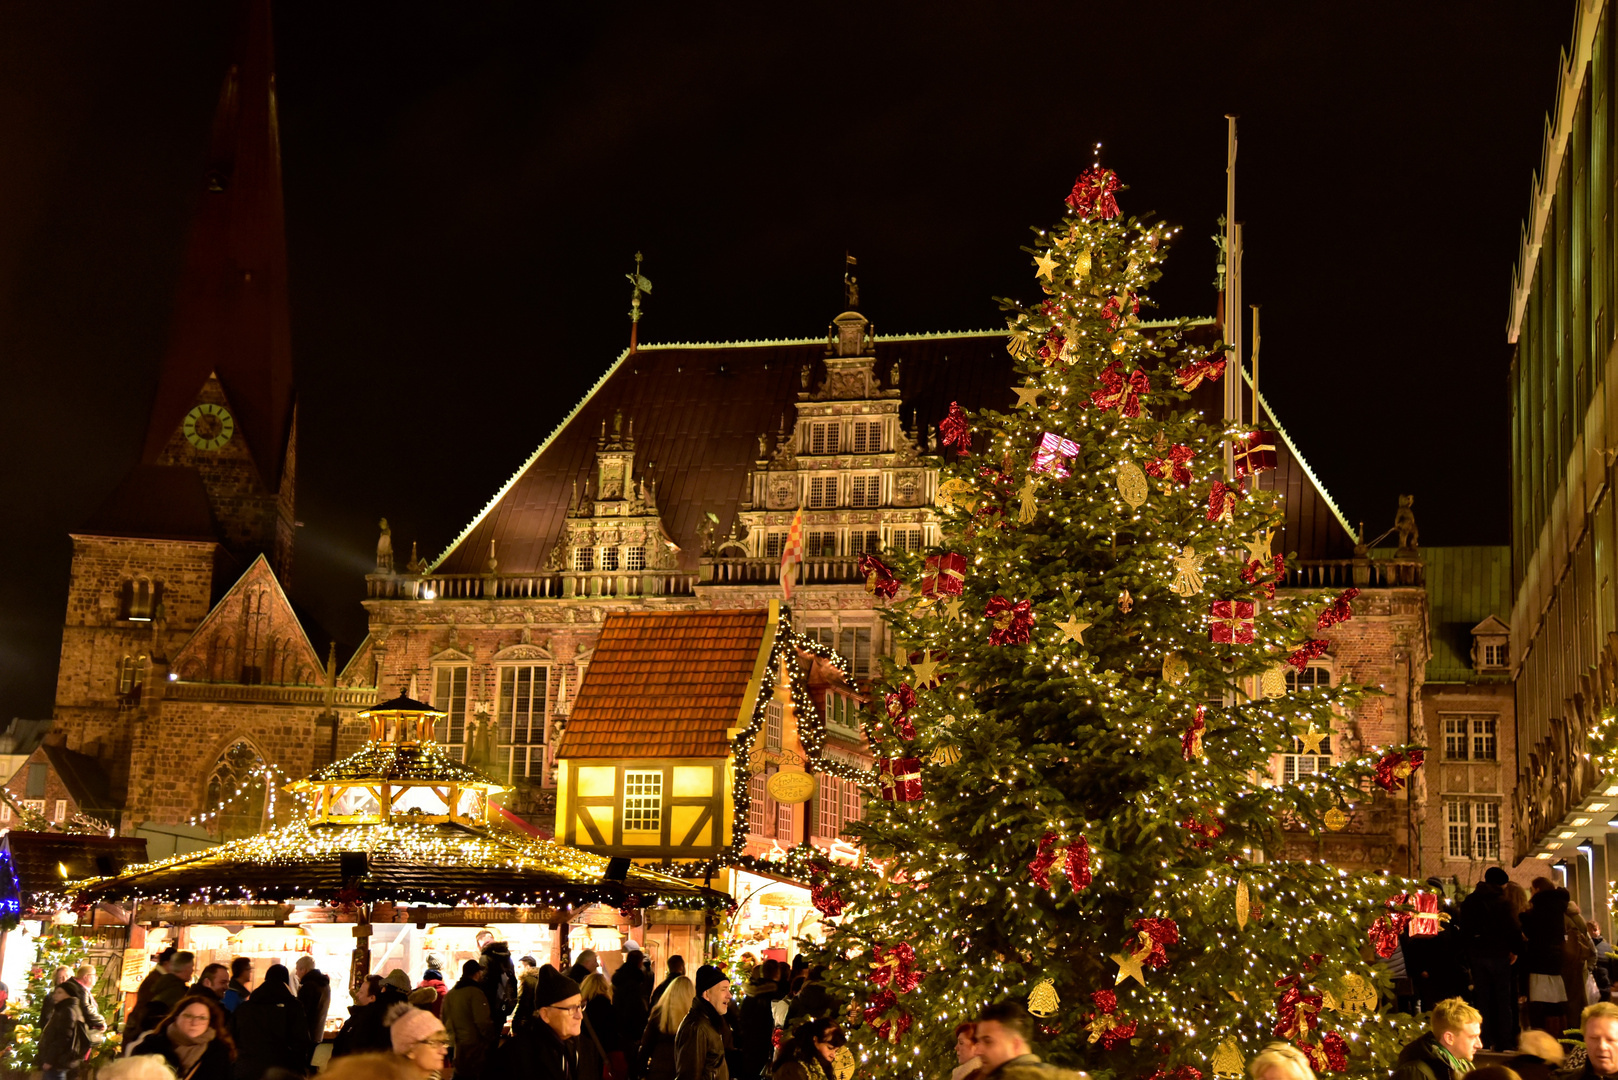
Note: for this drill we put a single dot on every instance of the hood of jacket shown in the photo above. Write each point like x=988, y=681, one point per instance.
x=497, y=948
x=315, y=980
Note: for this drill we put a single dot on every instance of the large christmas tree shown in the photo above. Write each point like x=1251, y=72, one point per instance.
x=1078, y=806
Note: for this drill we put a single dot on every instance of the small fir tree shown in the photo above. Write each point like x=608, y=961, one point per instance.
x=1078, y=805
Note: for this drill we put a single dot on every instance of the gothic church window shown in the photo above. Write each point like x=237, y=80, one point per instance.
x=132, y=678
x=867, y=436
x=521, y=711
x=449, y=696
x=138, y=599
x=236, y=792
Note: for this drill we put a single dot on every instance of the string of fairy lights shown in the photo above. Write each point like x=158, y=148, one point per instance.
x=1083, y=735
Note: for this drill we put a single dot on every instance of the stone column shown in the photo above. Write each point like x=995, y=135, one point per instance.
x=1598, y=881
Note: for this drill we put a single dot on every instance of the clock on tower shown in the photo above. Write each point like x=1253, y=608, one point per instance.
x=208, y=427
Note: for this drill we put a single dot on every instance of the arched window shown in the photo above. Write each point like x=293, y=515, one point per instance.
x=131, y=678
x=236, y=792
x=138, y=599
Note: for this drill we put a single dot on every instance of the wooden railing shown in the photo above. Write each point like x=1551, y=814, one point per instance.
x=1359, y=573
x=554, y=586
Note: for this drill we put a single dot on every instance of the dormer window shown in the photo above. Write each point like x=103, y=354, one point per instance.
x=1491, y=645
x=1497, y=655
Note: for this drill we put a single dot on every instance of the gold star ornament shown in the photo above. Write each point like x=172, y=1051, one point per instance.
x=1027, y=394
x=1130, y=966
x=1047, y=266
x=1312, y=739
x=952, y=610
x=926, y=669
x=1073, y=629
x=1258, y=549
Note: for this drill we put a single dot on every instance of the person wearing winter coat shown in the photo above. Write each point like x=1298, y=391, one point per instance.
x=654, y=1059
x=363, y=1032
x=1492, y=938
x=1001, y=1037
x=544, y=1050
x=631, y=994
x=240, y=985
x=65, y=1040
x=165, y=993
x=808, y=1054
x=755, y=1038
x=814, y=999
x=522, y=1017
x=418, y=1040
x=499, y=976
x=314, y=994
x=1544, y=926
x=432, y=980
x=1447, y=1050
x=676, y=967
x=703, y=1038
x=194, y=1039
x=270, y=1029
x=473, y=1031
x=601, y=1047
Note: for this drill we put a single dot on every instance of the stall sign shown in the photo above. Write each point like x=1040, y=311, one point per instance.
x=484, y=915
x=594, y=915
x=136, y=966
x=229, y=913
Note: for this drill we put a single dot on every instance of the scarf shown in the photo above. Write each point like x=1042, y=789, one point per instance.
x=1456, y=1065
x=189, y=1051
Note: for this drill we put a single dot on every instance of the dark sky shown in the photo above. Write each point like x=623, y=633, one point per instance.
x=466, y=186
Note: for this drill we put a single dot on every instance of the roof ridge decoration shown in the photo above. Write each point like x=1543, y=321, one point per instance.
x=1292, y=448
x=1542, y=184
x=754, y=343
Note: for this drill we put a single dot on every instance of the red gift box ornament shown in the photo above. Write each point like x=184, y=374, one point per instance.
x=900, y=779
x=1190, y=377
x=1425, y=919
x=1011, y=621
x=878, y=578
x=827, y=900
x=955, y=431
x=945, y=575
x=1232, y=622
x=1254, y=452
x=1384, y=933
x=1339, y=610
x=1053, y=454
x=1121, y=392
x=1092, y=194
x=1076, y=864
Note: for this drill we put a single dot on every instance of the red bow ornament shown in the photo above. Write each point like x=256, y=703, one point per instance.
x=1251, y=572
x=1191, y=741
x=955, y=431
x=1075, y=863
x=945, y=575
x=1190, y=377
x=1044, y=859
x=1311, y=650
x=1157, y=933
x=1211, y=830
x=894, y=967
x=1174, y=465
x=827, y=900
x=878, y=577
x=1221, y=501
x=1330, y=1056
x=1339, y=610
x=1092, y=194
x=1395, y=768
x=1232, y=622
x=1253, y=452
x=1012, y=621
x=1121, y=392
x=1105, y=1026
x=899, y=703
x=1296, y=1011
x=1384, y=933
x=1113, y=309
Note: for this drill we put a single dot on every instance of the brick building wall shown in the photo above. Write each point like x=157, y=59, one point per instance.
x=1479, y=782
x=37, y=786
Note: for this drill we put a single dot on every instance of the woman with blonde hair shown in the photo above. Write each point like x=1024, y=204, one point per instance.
x=601, y=1050
x=655, y=1059
x=1278, y=1061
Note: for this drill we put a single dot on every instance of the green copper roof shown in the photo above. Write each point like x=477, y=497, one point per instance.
x=1465, y=585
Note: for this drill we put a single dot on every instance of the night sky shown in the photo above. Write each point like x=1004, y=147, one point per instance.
x=467, y=184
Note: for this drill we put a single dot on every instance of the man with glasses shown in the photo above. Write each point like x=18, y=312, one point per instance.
x=544, y=1051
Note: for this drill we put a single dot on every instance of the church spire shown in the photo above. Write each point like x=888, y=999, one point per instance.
x=230, y=313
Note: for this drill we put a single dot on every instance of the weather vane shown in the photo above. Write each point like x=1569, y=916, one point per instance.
x=642, y=285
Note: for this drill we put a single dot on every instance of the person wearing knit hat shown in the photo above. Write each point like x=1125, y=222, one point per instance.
x=419, y=1038
x=699, y=1045
x=542, y=1050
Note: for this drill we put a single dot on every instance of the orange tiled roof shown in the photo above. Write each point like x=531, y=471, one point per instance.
x=665, y=684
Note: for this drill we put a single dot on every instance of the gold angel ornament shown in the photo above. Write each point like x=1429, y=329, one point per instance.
x=1188, y=572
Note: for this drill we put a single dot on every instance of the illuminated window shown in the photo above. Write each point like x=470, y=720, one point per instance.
x=828, y=804
x=774, y=721
x=449, y=697
x=854, y=643
x=783, y=821
x=61, y=811
x=521, y=715
x=823, y=437
x=822, y=492
x=1472, y=829
x=609, y=559
x=853, y=804
x=865, y=491
x=643, y=800
x=867, y=436
x=755, y=804
x=583, y=559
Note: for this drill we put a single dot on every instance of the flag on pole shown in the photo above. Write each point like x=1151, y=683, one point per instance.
x=792, y=554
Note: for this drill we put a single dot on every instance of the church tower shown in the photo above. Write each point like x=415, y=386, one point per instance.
x=225, y=404
x=213, y=490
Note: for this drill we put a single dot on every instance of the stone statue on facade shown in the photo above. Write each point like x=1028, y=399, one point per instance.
x=1405, y=522
x=384, y=549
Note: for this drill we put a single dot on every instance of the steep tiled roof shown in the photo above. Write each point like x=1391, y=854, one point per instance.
x=667, y=684
x=698, y=411
x=84, y=779
x=1465, y=585
x=37, y=860
x=157, y=502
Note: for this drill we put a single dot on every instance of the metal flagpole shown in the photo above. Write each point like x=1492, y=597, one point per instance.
x=1233, y=295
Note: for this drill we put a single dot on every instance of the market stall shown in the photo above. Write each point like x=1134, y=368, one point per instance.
x=392, y=863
